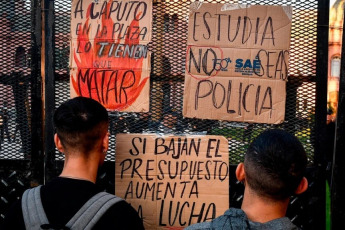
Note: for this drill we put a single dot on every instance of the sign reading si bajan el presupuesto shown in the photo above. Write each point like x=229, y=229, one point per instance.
x=173, y=181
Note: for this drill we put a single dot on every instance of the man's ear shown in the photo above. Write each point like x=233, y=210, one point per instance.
x=302, y=187
x=58, y=143
x=105, y=143
x=240, y=174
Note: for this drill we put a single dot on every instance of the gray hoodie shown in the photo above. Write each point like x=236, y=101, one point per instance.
x=236, y=219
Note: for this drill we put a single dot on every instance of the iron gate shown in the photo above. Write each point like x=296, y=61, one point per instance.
x=21, y=155
x=24, y=140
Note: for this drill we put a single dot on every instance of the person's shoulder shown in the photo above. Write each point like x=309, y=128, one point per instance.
x=204, y=226
x=125, y=210
x=283, y=223
x=231, y=219
x=120, y=216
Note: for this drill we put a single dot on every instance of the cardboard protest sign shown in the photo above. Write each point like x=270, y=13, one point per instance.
x=168, y=179
x=109, y=57
x=237, y=62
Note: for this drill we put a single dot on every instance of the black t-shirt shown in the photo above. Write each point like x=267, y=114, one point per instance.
x=63, y=197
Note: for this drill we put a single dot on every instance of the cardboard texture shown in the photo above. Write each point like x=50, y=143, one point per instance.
x=168, y=178
x=237, y=62
x=109, y=60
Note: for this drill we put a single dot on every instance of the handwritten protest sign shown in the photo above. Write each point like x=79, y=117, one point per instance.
x=237, y=62
x=173, y=181
x=109, y=57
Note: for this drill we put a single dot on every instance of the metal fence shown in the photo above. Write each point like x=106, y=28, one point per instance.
x=23, y=141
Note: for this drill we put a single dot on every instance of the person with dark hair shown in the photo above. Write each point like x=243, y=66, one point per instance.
x=19, y=80
x=73, y=200
x=5, y=116
x=273, y=171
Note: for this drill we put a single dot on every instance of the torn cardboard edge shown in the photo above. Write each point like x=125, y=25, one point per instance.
x=194, y=6
x=233, y=6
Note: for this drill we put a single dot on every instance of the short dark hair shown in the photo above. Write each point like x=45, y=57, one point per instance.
x=81, y=122
x=275, y=164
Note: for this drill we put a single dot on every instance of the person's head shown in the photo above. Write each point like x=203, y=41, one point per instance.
x=81, y=126
x=274, y=166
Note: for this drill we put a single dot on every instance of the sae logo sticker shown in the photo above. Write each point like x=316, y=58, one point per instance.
x=248, y=67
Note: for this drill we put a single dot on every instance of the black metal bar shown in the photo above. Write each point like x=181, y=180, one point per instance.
x=338, y=170
x=317, y=200
x=36, y=92
x=321, y=81
x=49, y=100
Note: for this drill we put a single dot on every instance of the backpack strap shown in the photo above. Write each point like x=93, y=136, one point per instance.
x=33, y=212
x=92, y=211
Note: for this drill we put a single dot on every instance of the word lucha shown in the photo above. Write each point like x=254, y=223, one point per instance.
x=185, y=212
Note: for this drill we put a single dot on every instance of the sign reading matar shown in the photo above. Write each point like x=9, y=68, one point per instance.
x=173, y=181
x=237, y=62
x=109, y=58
